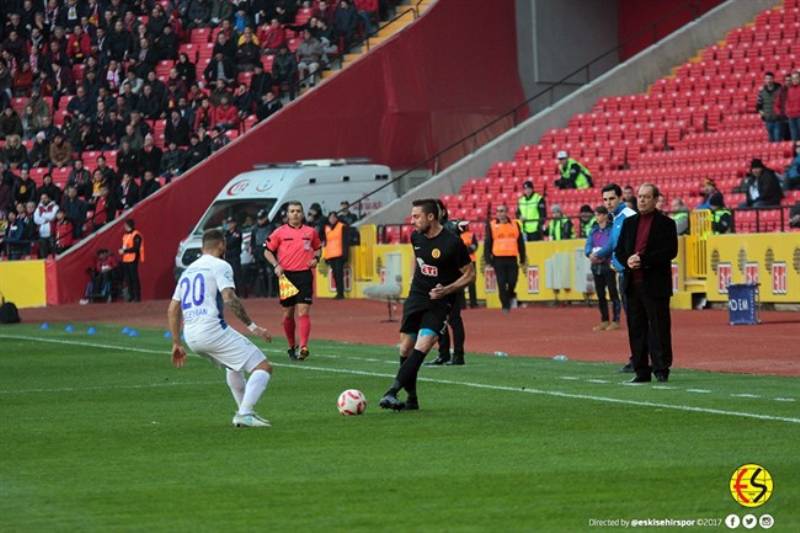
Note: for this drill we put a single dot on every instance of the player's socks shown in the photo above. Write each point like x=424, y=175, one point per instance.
x=255, y=387
x=407, y=375
x=288, y=329
x=237, y=384
x=304, y=322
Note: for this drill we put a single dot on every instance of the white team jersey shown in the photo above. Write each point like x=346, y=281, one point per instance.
x=199, y=292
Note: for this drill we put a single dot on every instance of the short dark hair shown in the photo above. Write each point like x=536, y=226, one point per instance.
x=290, y=203
x=130, y=223
x=429, y=207
x=769, y=73
x=612, y=187
x=211, y=236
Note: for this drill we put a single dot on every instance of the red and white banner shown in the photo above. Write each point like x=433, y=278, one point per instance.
x=724, y=276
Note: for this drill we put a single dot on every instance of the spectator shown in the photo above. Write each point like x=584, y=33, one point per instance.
x=128, y=159
x=368, y=13
x=243, y=101
x=157, y=21
x=284, y=71
x=109, y=176
x=41, y=109
x=80, y=178
x=573, y=175
x=225, y=46
x=127, y=192
x=23, y=79
x=789, y=105
x=149, y=185
x=531, y=212
x=309, y=54
x=75, y=209
x=100, y=278
x=721, y=219
x=260, y=82
x=44, y=217
x=604, y=277
x=186, y=70
x=272, y=37
x=220, y=10
x=102, y=207
x=173, y=162
x=347, y=216
x=60, y=151
x=710, y=192
x=248, y=53
x=794, y=216
x=224, y=115
x=767, y=108
x=50, y=189
x=344, y=23
x=198, y=13
x=79, y=45
x=10, y=123
x=81, y=106
x=559, y=227
x=133, y=137
x=167, y=44
x=268, y=106
x=587, y=219
x=14, y=152
x=24, y=189
x=16, y=238
x=150, y=156
x=680, y=214
x=64, y=233
x=177, y=130
x=220, y=68
x=504, y=250
x=39, y=155
x=220, y=89
x=150, y=104
x=761, y=187
x=791, y=177
x=197, y=151
x=629, y=198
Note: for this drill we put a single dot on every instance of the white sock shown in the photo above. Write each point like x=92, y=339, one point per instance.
x=236, y=383
x=256, y=385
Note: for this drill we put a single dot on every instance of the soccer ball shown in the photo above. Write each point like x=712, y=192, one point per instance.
x=351, y=402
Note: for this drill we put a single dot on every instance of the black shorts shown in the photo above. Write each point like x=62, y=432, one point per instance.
x=304, y=281
x=423, y=313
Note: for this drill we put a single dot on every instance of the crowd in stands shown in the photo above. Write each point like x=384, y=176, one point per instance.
x=102, y=102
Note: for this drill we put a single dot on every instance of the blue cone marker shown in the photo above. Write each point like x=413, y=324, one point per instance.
x=91, y=330
x=44, y=325
x=70, y=328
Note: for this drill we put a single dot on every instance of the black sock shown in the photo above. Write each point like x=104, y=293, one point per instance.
x=407, y=376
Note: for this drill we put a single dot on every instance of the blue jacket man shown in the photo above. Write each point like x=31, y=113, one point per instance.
x=620, y=211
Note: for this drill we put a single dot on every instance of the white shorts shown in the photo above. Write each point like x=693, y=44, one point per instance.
x=230, y=349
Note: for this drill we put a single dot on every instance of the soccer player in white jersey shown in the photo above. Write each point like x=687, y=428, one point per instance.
x=202, y=290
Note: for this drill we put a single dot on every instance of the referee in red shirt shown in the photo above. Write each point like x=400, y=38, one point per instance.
x=294, y=250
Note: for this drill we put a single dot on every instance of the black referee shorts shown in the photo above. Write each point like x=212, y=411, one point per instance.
x=422, y=313
x=304, y=281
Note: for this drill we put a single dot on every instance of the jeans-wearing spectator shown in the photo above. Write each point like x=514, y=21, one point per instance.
x=604, y=276
x=766, y=107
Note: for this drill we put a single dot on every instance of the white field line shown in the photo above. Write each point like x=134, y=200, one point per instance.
x=485, y=386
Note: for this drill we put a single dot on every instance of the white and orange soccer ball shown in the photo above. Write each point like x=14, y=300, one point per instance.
x=351, y=402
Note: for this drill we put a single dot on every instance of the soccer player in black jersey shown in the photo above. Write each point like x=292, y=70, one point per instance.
x=443, y=269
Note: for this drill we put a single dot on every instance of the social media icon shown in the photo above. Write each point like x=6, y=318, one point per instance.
x=766, y=521
x=749, y=521
x=732, y=521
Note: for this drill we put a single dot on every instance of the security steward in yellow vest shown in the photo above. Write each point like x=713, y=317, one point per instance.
x=504, y=250
x=721, y=219
x=587, y=220
x=559, y=227
x=573, y=174
x=334, y=250
x=132, y=253
x=531, y=212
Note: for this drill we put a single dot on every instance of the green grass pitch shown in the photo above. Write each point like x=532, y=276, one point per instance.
x=100, y=433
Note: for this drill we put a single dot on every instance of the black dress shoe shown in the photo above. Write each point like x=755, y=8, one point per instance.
x=641, y=379
x=627, y=369
x=439, y=361
x=456, y=361
x=662, y=378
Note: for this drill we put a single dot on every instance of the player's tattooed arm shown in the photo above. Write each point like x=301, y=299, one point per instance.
x=236, y=306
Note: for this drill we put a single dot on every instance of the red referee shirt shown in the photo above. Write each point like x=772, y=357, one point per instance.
x=294, y=247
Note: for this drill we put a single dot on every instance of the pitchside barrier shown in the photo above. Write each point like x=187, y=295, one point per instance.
x=558, y=271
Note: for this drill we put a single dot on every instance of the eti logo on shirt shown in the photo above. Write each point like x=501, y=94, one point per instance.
x=427, y=270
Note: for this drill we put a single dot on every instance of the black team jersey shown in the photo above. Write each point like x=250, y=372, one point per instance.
x=439, y=261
